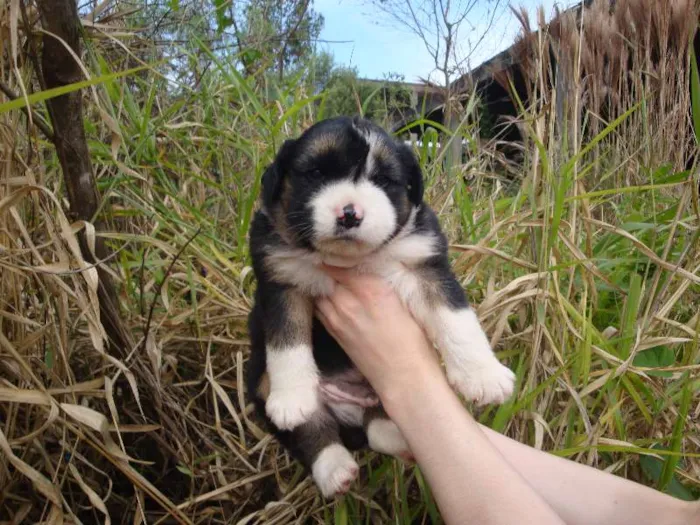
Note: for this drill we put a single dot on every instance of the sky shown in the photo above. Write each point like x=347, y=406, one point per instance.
x=375, y=45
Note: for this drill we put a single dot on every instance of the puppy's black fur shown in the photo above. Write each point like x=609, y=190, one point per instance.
x=305, y=166
x=329, y=153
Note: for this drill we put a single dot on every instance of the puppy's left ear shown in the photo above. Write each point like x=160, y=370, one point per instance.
x=273, y=177
x=414, y=176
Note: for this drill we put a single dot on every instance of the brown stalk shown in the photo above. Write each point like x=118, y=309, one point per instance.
x=59, y=68
x=36, y=119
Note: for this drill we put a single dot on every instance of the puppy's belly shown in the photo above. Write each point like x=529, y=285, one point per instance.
x=348, y=394
x=348, y=387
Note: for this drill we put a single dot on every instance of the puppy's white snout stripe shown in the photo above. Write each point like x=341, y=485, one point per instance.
x=362, y=206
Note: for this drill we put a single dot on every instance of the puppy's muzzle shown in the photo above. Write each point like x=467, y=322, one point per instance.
x=350, y=216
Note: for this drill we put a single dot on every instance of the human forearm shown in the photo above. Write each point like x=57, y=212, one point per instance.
x=582, y=495
x=471, y=481
x=477, y=475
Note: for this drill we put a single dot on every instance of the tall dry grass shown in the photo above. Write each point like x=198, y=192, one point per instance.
x=586, y=279
x=606, y=58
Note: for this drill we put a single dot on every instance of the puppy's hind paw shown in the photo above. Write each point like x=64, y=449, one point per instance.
x=334, y=471
x=385, y=437
x=485, y=384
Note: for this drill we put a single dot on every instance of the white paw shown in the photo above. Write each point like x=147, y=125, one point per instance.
x=384, y=436
x=290, y=407
x=484, y=383
x=334, y=470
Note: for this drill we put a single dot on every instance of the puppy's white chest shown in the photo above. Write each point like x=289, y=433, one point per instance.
x=395, y=263
x=300, y=268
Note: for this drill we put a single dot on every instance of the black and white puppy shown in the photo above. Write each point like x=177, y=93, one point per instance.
x=346, y=194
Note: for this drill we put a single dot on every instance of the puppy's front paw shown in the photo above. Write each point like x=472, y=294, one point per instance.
x=484, y=383
x=334, y=470
x=290, y=407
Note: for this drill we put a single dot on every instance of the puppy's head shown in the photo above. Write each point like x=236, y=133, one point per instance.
x=343, y=188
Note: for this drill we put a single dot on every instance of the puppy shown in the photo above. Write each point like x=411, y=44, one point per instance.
x=346, y=194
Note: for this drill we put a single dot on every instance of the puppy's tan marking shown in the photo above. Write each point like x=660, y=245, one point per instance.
x=263, y=389
x=297, y=323
x=321, y=145
x=279, y=217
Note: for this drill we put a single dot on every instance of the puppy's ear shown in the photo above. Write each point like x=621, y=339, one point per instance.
x=414, y=176
x=273, y=178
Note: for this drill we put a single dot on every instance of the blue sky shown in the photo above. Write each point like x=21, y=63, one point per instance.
x=375, y=45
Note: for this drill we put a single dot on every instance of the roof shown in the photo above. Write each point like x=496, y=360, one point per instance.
x=416, y=86
x=506, y=59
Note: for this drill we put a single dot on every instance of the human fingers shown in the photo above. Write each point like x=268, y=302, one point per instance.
x=342, y=313
x=327, y=314
x=367, y=288
x=347, y=303
x=338, y=327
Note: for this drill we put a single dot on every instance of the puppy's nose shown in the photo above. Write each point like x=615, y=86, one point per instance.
x=350, y=216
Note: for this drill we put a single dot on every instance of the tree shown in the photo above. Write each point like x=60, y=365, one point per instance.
x=255, y=35
x=451, y=40
x=59, y=68
x=282, y=30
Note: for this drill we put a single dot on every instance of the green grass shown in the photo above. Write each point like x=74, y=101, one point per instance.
x=584, y=270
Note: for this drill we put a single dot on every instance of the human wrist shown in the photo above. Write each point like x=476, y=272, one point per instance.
x=405, y=394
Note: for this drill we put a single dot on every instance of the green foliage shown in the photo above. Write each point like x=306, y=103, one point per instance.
x=653, y=468
x=279, y=30
x=597, y=316
x=574, y=303
x=383, y=102
x=223, y=20
x=695, y=94
x=253, y=35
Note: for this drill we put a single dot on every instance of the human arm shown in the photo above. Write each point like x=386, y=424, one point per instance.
x=471, y=481
x=583, y=495
x=366, y=318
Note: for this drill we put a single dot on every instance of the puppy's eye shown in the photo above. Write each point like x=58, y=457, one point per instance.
x=311, y=174
x=385, y=181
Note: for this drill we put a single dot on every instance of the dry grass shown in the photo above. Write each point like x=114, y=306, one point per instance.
x=605, y=61
x=587, y=279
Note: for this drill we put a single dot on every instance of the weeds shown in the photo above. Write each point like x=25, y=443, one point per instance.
x=586, y=276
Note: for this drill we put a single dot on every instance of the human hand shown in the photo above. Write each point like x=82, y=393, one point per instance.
x=377, y=332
